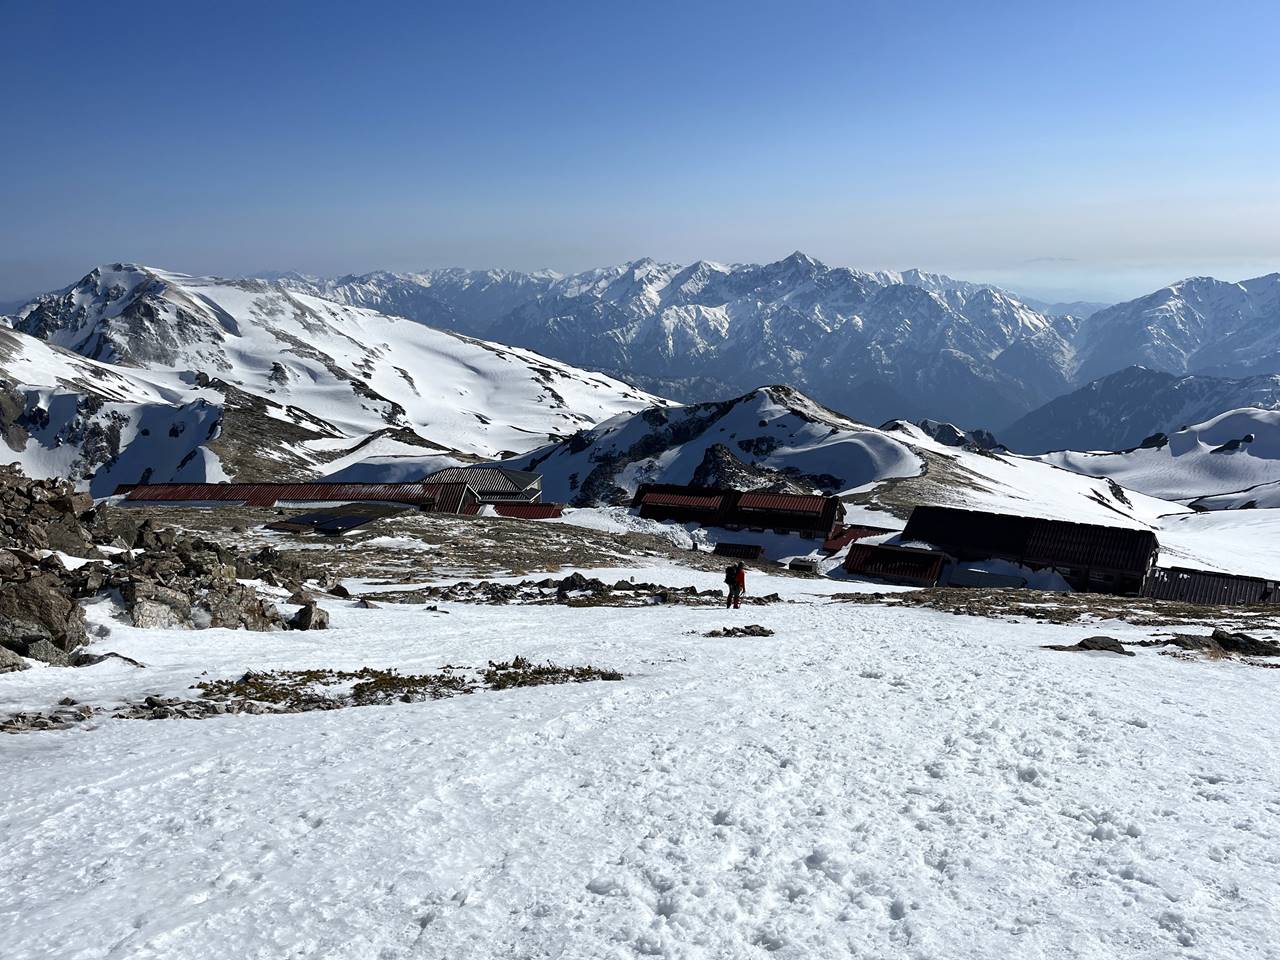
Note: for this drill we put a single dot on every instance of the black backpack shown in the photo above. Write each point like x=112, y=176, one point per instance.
x=731, y=575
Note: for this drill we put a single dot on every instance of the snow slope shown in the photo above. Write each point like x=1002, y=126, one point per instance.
x=874, y=782
x=777, y=434
x=1227, y=462
x=310, y=380
x=1119, y=411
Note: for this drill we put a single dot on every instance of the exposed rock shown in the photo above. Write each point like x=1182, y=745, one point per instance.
x=153, y=606
x=39, y=649
x=1102, y=644
x=1245, y=645
x=750, y=630
x=81, y=659
x=40, y=609
x=10, y=661
x=310, y=617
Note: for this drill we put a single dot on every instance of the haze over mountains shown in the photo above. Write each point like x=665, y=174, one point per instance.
x=874, y=345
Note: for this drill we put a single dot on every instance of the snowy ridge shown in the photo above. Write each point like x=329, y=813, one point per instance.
x=780, y=439
x=1230, y=461
x=282, y=381
x=1121, y=410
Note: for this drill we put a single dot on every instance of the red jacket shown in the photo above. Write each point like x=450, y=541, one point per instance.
x=742, y=579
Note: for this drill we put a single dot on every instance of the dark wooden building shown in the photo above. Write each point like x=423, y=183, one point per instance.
x=1202, y=586
x=739, y=551
x=807, y=515
x=907, y=566
x=1090, y=557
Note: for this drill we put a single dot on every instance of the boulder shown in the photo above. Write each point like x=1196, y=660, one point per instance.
x=1101, y=644
x=155, y=606
x=310, y=617
x=89, y=659
x=39, y=649
x=1245, y=645
x=10, y=661
x=154, y=615
x=40, y=609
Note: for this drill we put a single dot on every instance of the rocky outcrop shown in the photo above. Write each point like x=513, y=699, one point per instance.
x=38, y=617
x=163, y=579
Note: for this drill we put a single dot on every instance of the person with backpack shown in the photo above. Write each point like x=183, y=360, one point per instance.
x=735, y=578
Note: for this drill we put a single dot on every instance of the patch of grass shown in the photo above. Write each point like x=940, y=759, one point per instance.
x=522, y=673
x=324, y=689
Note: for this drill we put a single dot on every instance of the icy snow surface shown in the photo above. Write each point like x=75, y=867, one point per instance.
x=869, y=782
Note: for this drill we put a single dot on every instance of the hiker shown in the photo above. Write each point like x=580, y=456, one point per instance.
x=735, y=577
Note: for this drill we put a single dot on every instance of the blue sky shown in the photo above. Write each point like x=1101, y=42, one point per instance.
x=1073, y=150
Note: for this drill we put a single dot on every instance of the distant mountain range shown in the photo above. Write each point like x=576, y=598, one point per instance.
x=876, y=345
x=318, y=366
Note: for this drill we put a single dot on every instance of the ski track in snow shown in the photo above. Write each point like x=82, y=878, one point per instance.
x=869, y=782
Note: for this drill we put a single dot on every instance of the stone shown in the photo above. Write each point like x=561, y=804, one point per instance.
x=82, y=659
x=155, y=606
x=1099, y=644
x=1245, y=645
x=154, y=615
x=38, y=649
x=310, y=617
x=301, y=597
x=10, y=566
x=40, y=609
x=11, y=662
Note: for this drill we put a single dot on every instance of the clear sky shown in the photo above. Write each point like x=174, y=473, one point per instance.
x=1066, y=149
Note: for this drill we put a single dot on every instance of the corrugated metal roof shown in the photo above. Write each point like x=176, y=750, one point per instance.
x=696, y=501
x=787, y=502
x=1033, y=540
x=847, y=535
x=485, y=480
x=529, y=511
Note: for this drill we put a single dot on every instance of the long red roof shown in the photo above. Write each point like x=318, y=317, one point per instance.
x=787, y=502
x=700, y=501
x=447, y=497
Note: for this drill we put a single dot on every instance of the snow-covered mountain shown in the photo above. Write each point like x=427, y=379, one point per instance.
x=256, y=381
x=778, y=439
x=879, y=345
x=876, y=344
x=1227, y=462
x=1121, y=410
x=1200, y=325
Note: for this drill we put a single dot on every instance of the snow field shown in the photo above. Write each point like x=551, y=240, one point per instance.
x=868, y=782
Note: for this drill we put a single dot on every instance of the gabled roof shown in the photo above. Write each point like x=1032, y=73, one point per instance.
x=486, y=479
